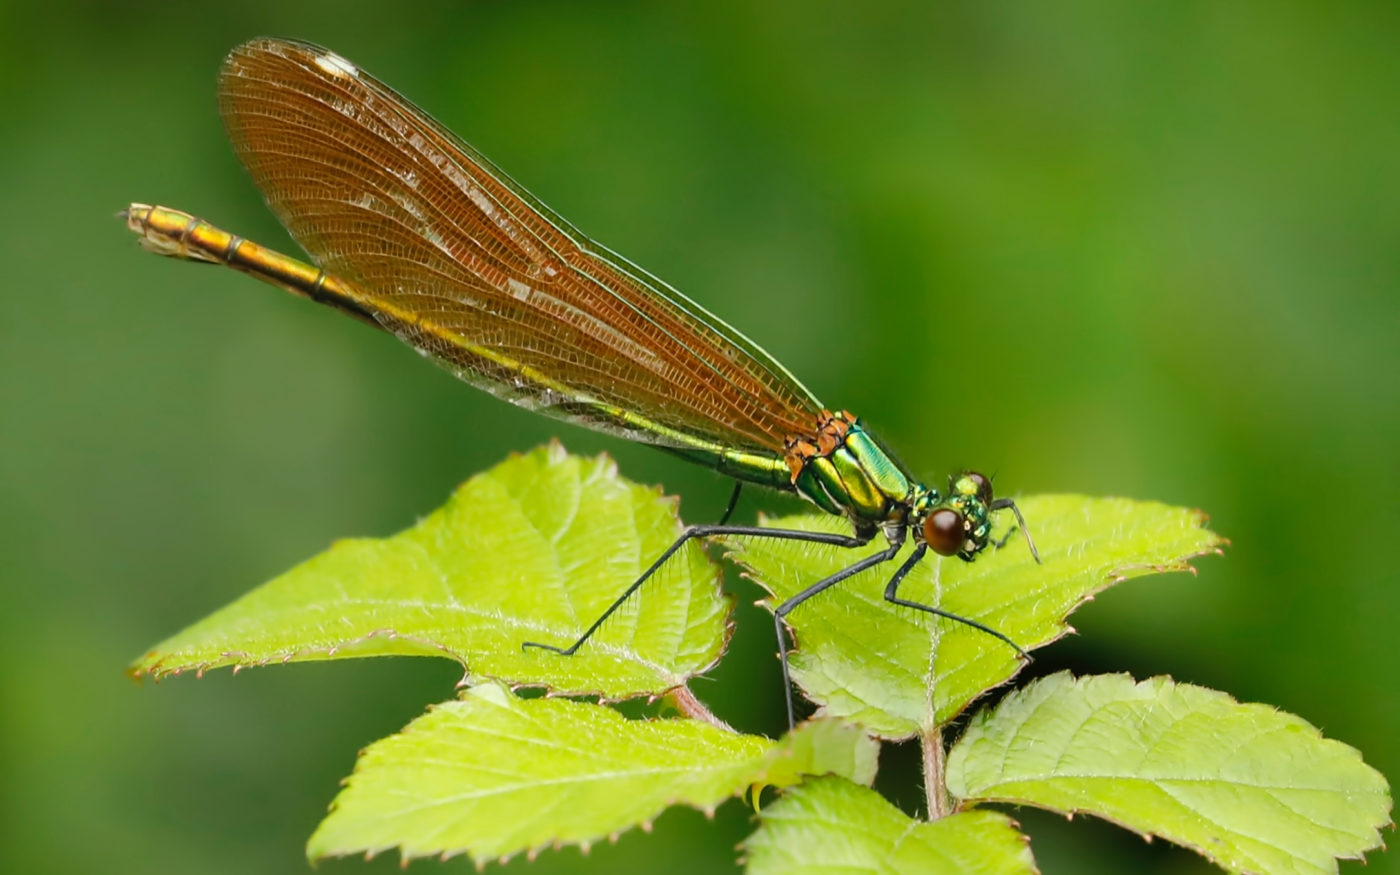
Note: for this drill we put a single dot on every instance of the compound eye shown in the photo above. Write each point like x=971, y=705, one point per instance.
x=943, y=532
x=984, y=486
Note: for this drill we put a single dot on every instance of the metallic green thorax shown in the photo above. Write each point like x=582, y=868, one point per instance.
x=844, y=470
x=857, y=479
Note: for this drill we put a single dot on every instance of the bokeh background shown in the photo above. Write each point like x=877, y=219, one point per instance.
x=1140, y=249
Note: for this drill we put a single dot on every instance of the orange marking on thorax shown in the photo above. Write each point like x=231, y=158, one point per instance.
x=831, y=430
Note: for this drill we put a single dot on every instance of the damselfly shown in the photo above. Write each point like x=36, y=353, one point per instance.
x=415, y=232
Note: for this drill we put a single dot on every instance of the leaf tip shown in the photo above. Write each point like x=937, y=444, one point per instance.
x=554, y=452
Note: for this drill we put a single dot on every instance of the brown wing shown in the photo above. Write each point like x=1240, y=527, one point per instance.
x=381, y=194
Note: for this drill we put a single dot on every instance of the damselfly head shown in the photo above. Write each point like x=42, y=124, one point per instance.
x=958, y=524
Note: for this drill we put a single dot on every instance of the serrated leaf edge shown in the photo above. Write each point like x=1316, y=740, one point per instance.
x=776, y=752
x=1116, y=575
x=972, y=802
x=554, y=453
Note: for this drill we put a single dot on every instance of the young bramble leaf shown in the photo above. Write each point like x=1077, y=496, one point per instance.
x=1250, y=787
x=833, y=826
x=531, y=550
x=897, y=671
x=822, y=747
x=493, y=775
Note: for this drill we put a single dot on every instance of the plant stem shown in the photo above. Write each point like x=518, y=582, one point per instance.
x=687, y=704
x=935, y=791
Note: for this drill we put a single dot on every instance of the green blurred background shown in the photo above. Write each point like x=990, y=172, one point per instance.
x=1161, y=240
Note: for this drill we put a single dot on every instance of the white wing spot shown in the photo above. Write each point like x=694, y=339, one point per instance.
x=336, y=66
x=519, y=289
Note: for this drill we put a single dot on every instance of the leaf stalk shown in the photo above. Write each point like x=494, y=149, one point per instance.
x=935, y=785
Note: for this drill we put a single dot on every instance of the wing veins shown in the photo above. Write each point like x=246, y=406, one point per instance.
x=456, y=257
x=668, y=335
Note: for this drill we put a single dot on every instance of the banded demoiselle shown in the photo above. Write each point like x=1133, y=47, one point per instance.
x=415, y=232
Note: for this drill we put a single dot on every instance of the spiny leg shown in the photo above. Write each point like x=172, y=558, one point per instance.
x=786, y=608
x=707, y=531
x=892, y=596
x=1001, y=542
x=1006, y=503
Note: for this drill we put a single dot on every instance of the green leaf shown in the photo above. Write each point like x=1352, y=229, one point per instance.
x=833, y=826
x=822, y=747
x=533, y=550
x=898, y=671
x=1250, y=787
x=492, y=775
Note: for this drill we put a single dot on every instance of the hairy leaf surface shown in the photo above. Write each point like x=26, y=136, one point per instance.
x=897, y=670
x=1248, y=786
x=532, y=550
x=494, y=775
x=834, y=827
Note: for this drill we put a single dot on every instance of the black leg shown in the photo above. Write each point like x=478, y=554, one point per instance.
x=1001, y=542
x=733, y=502
x=1001, y=503
x=786, y=608
x=704, y=532
x=892, y=596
